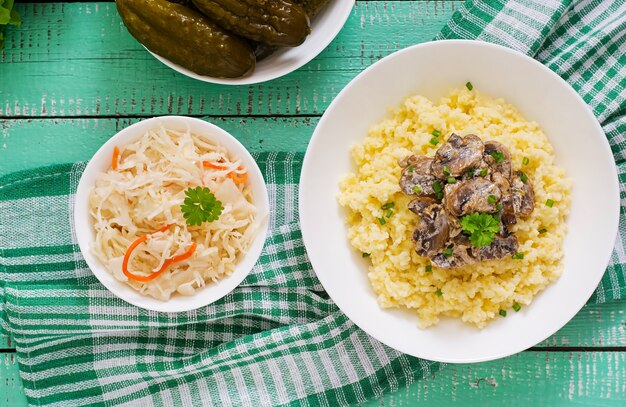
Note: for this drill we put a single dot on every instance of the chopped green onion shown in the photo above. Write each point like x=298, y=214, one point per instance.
x=502, y=313
x=498, y=207
x=429, y=269
x=549, y=203
x=484, y=172
x=523, y=177
x=470, y=173
x=436, y=133
x=498, y=156
x=438, y=189
x=525, y=161
x=451, y=180
x=492, y=199
x=518, y=256
x=388, y=205
x=389, y=213
x=366, y=254
x=469, y=85
x=417, y=189
x=410, y=168
x=446, y=170
x=447, y=252
x=438, y=293
x=516, y=307
x=434, y=141
x=382, y=220
x=542, y=231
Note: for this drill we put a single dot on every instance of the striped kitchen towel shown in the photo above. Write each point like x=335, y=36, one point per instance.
x=277, y=339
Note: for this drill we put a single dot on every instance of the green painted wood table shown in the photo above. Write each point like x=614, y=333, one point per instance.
x=72, y=76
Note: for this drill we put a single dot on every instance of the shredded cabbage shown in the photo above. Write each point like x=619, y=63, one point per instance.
x=145, y=194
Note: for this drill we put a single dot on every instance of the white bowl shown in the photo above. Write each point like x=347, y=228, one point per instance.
x=85, y=233
x=325, y=28
x=581, y=148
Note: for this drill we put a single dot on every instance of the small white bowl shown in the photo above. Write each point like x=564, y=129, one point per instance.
x=325, y=28
x=85, y=233
x=431, y=70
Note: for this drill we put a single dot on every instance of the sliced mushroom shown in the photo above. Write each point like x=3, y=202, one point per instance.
x=483, y=182
x=470, y=196
x=457, y=155
x=432, y=231
x=504, y=230
x=455, y=226
x=501, y=247
x=461, y=254
x=419, y=205
x=416, y=173
x=523, y=194
x=498, y=157
x=508, y=211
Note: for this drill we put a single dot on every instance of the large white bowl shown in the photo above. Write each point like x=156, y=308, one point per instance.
x=432, y=69
x=85, y=233
x=325, y=28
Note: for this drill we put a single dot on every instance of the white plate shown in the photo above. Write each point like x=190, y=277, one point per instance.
x=101, y=162
x=432, y=69
x=325, y=28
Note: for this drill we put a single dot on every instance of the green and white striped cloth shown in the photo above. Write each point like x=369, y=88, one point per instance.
x=277, y=339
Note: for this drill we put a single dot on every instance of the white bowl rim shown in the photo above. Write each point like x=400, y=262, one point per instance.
x=252, y=79
x=308, y=168
x=82, y=225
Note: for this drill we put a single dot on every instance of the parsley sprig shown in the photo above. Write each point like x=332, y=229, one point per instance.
x=481, y=227
x=200, y=206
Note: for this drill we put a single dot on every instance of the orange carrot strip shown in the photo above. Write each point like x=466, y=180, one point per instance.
x=115, y=158
x=208, y=164
x=166, y=264
x=238, y=178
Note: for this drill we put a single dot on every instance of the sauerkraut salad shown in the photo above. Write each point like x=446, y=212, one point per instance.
x=172, y=214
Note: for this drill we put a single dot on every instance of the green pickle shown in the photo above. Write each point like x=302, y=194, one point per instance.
x=312, y=7
x=262, y=51
x=187, y=38
x=272, y=22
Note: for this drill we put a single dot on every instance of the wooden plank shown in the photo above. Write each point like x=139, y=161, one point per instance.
x=28, y=143
x=597, y=325
x=526, y=379
x=11, y=389
x=77, y=59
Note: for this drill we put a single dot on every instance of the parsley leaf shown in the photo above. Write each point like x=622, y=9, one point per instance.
x=200, y=206
x=481, y=227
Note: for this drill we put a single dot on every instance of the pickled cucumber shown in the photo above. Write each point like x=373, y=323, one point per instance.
x=272, y=22
x=262, y=51
x=312, y=7
x=187, y=38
